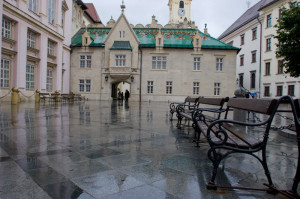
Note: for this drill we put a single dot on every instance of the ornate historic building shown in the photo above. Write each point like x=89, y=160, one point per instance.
x=258, y=68
x=156, y=62
x=35, y=48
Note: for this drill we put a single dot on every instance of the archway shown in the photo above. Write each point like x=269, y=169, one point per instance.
x=118, y=88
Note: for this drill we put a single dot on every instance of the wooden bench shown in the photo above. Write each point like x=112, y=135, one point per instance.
x=227, y=137
x=296, y=112
x=66, y=97
x=210, y=105
x=209, y=108
x=190, y=101
x=44, y=96
x=79, y=97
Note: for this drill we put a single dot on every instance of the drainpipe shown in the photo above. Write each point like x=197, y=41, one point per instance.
x=141, y=70
x=260, y=57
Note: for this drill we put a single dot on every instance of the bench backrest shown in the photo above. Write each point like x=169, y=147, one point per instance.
x=264, y=106
x=213, y=101
x=41, y=94
x=191, y=99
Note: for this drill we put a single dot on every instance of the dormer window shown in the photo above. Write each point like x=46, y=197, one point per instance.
x=181, y=4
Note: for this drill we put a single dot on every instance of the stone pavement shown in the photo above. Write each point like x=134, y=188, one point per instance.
x=107, y=150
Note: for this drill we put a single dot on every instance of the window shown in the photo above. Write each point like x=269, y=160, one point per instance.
x=254, y=34
x=29, y=77
x=242, y=60
x=253, y=56
x=120, y=60
x=269, y=20
x=280, y=14
x=6, y=29
x=280, y=67
x=169, y=87
x=31, y=39
x=196, y=88
x=85, y=61
x=50, y=49
x=49, y=82
x=32, y=5
x=219, y=65
x=5, y=73
x=217, y=89
x=268, y=44
x=51, y=11
x=159, y=62
x=63, y=15
x=196, y=63
x=279, y=90
x=252, y=79
x=268, y=69
x=242, y=39
x=81, y=85
x=291, y=90
x=150, y=87
x=181, y=4
x=85, y=85
x=267, y=91
x=241, y=80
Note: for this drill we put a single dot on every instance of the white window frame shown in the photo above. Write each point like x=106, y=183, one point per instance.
x=31, y=39
x=30, y=77
x=159, y=62
x=51, y=11
x=81, y=85
x=196, y=88
x=150, y=87
x=197, y=61
x=50, y=48
x=6, y=28
x=217, y=89
x=219, y=64
x=32, y=5
x=85, y=85
x=169, y=85
x=85, y=61
x=49, y=82
x=5, y=73
x=120, y=60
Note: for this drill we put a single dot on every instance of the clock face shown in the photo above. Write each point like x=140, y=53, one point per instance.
x=181, y=12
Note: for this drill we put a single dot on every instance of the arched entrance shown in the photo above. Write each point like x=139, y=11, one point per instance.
x=119, y=87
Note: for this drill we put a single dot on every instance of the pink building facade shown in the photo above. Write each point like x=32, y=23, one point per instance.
x=35, y=53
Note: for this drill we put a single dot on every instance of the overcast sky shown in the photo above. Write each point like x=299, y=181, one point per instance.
x=218, y=14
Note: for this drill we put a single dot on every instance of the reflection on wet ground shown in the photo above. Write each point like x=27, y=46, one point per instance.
x=111, y=150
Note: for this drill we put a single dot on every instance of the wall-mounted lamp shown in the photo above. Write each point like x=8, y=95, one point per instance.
x=132, y=78
x=106, y=78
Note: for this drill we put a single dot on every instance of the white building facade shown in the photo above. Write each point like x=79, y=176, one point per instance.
x=35, y=54
x=258, y=68
x=275, y=82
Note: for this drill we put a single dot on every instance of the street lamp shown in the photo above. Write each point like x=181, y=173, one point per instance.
x=106, y=78
x=132, y=78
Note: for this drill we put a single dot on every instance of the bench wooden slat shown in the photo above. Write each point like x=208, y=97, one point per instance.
x=264, y=106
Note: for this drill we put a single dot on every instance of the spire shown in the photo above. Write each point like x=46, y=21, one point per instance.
x=123, y=6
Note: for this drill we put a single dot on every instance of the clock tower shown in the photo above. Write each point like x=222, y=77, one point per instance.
x=179, y=10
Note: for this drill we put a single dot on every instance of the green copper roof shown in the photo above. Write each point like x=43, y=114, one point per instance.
x=121, y=45
x=173, y=38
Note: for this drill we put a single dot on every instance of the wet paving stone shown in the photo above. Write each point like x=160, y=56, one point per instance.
x=65, y=190
x=93, y=149
x=3, y=159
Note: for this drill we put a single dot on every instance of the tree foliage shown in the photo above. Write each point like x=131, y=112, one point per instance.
x=288, y=35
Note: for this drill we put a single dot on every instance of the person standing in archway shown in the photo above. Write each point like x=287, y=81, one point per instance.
x=127, y=95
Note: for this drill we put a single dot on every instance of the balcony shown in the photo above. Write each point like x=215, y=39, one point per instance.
x=120, y=72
